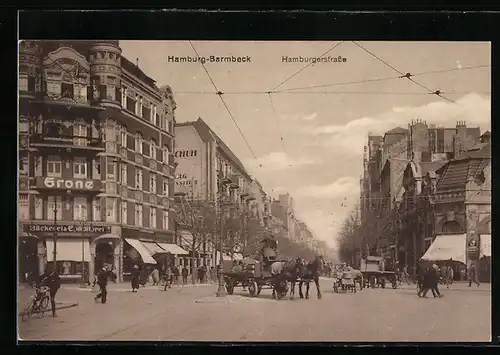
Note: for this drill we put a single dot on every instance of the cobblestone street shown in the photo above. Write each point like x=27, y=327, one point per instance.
x=194, y=314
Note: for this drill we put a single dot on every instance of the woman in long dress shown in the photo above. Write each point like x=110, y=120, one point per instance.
x=136, y=273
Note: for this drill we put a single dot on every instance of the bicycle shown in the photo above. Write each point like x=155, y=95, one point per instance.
x=38, y=303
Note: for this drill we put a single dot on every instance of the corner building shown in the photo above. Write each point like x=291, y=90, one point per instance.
x=95, y=160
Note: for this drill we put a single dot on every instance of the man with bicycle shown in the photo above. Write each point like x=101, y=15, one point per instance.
x=51, y=280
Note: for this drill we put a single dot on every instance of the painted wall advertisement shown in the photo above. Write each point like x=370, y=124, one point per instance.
x=189, y=155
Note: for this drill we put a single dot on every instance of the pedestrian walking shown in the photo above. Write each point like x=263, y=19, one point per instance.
x=103, y=276
x=202, y=272
x=184, y=273
x=155, y=276
x=406, y=275
x=135, y=274
x=473, y=275
x=176, y=274
x=168, y=278
x=449, y=276
x=51, y=280
x=431, y=282
x=212, y=274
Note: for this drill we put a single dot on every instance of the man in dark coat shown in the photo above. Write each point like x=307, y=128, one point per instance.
x=136, y=275
x=431, y=279
x=51, y=279
x=184, y=273
x=103, y=276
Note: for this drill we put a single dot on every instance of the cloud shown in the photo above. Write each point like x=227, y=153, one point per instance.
x=310, y=117
x=280, y=161
x=351, y=137
x=342, y=187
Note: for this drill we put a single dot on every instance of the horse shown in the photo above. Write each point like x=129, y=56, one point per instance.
x=283, y=272
x=311, y=272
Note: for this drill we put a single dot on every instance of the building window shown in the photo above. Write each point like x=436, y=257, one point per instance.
x=110, y=209
x=111, y=171
x=80, y=208
x=96, y=170
x=152, y=149
x=38, y=207
x=54, y=207
x=80, y=168
x=124, y=212
x=124, y=96
x=165, y=153
x=138, y=179
x=123, y=174
x=130, y=103
x=53, y=89
x=23, y=208
x=146, y=111
x=138, y=143
x=152, y=183
x=138, y=215
x=123, y=136
x=54, y=166
x=138, y=106
x=96, y=209
x=152, y=217
x=24, y=126
x=23, y=166
x=165, y=187
x=165, y=219
x=154, y=116
x=67, y=90
x=23, y=82
x=80, y=134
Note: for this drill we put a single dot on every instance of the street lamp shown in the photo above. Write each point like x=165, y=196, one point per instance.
x=221, y=290
x=68, y=192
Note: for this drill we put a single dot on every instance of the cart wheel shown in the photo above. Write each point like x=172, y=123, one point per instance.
x=382, y=283
x=252, y=288
x=394, y=284
x=354, y=288
x=259, y=289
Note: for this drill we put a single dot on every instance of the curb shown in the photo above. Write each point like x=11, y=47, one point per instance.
x=61, y=306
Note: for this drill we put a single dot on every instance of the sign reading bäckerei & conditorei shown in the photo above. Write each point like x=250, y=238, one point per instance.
x=71, y=228
x=67, y=184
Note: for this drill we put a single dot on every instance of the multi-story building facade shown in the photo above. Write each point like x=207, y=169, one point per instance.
x=96, y=159
x=208, y=171
x=421, y=148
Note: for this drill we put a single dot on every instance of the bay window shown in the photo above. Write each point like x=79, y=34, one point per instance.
x=54, y=207
x=124, y=212
x=80, y=208
x=138, y=215
x=54, y=166
x=111, y=171
x=110, y=209
x=138, y=178
x=80, y=168
x=152, y=217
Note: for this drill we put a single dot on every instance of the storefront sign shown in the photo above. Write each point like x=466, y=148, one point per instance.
x=185, y=153
x=473, y=249
x=50, y=228
x=67, y=184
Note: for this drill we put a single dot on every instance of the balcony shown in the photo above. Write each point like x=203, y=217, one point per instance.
x=67, y=141
x=235, y=181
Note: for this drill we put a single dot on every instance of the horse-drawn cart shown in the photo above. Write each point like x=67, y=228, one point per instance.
x=255, y=276
x=344, y=281
x=374, y=274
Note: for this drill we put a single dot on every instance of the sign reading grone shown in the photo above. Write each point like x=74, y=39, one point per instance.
x=67, y=184
x=50, y=228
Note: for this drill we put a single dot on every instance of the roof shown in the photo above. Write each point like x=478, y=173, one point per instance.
x=208, y=135
x=486, y=134
x=397, y=130
x=134, y=70
x=457, y=172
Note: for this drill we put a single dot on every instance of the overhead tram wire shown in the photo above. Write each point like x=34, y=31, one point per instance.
x=277, y=122
x=404, y=75
x=220, y=93
x=307, y=66
x=381, y=79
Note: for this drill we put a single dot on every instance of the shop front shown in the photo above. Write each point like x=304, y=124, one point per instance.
x=69, y=244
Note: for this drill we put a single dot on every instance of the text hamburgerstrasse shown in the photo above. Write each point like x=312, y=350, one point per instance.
x=209, y=59
x=313, y=60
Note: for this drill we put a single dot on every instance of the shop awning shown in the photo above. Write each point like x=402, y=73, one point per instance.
x=153, y=248
x=485, y=245
x=447, y=247
x=173, y=249
x=68, y=250
x=143, y=252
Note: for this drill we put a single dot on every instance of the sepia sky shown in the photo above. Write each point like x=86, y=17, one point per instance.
x=324, y=129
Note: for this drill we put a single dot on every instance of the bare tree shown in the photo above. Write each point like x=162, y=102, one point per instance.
x=350, y=237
